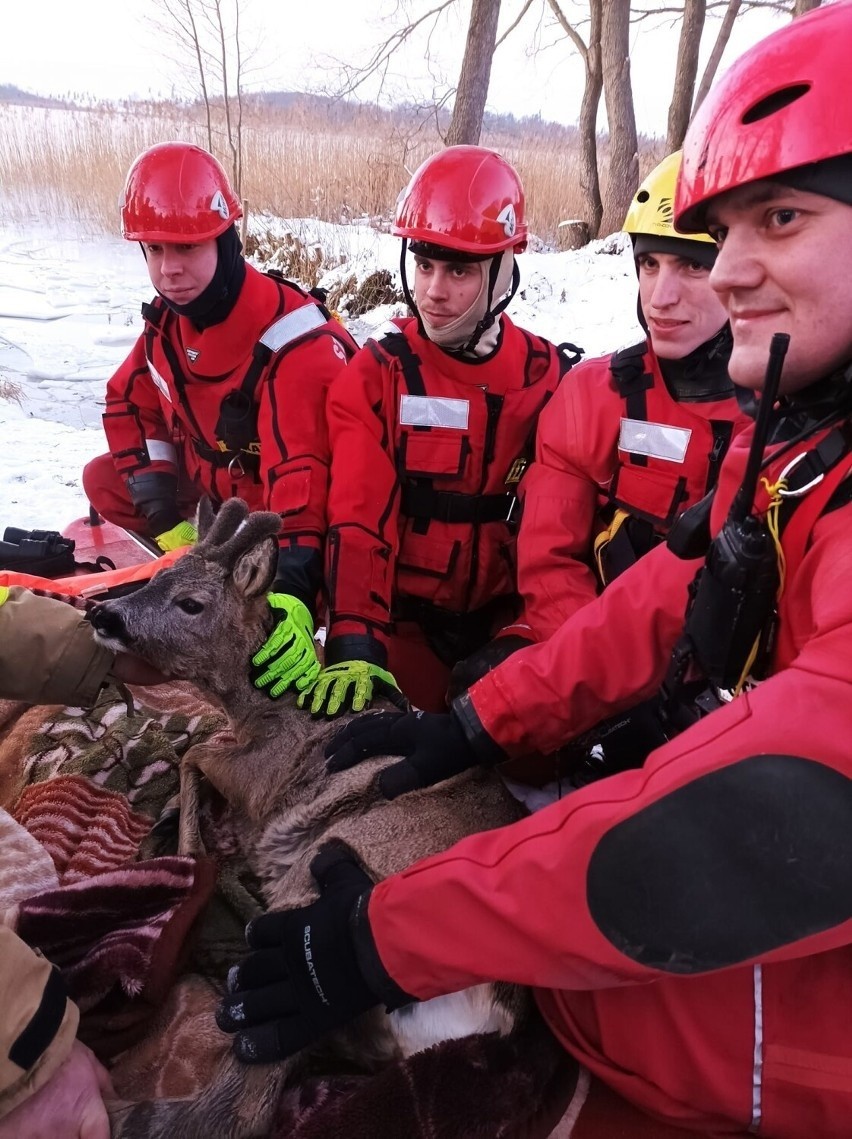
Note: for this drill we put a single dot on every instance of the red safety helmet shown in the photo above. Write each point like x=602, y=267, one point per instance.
x=177, y=192
x=783, y=104
x=466, y=198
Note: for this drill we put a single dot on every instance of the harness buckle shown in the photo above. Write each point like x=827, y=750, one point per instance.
x=236, y=470
x=802, y=490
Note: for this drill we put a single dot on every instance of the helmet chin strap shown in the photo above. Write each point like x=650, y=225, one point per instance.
x=406, y=291
x=492, y=311
x=499, y=281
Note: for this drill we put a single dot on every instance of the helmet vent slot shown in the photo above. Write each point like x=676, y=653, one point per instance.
x=775, y=102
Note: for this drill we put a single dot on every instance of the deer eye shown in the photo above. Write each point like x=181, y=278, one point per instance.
x=190, y=605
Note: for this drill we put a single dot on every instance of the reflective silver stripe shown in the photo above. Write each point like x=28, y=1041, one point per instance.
x=159, y=382
x=292, y=326
x=757, y=1063
x=433, y=411
x=161, y=452
x=656, y=440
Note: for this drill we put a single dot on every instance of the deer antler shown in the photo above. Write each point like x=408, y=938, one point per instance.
x=256, y=529
x=217, y=528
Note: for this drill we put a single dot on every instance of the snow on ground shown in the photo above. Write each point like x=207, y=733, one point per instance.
x=69, y=314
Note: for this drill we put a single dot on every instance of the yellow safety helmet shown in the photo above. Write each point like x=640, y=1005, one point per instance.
x=652, y=210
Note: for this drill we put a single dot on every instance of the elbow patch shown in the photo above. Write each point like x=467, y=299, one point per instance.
x=43, y=1026
x=735, y=864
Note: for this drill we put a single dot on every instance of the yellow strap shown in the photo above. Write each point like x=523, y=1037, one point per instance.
x=605, y=537
x=775, y=492
x=4, y=593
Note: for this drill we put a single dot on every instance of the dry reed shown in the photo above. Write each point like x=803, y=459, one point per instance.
x=70, y=163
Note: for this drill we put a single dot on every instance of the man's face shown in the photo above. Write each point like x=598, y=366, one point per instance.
x=445, y=290
x=181, y=272
x=784, y=266
x=680, y=308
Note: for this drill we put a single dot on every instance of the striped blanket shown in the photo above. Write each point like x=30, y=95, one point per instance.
x=90, y=875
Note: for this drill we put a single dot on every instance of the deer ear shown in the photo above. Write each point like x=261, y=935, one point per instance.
x=206, y=516
x=254, y=571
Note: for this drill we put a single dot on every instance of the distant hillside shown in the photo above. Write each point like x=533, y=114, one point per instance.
x=9, y=93
x=338, y=113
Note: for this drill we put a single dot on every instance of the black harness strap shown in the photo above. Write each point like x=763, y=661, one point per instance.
x=453, y=636
x=316, y=294
x=423, y=501
x=816, y=464
x=419, y=493
x=569, y=355
x=685, y=701
x=153, y=313
x=237, y=423
x=395, y=344
x=628, y=371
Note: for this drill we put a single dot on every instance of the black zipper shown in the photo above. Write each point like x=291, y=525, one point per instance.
x=722, y=432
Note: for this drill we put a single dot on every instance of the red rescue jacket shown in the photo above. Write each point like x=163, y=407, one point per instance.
x=425, y=448
x=274, y=356
x=613, y=438
x=688, y=923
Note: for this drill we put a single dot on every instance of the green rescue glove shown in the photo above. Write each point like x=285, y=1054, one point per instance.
x=184, y=534
x=348, y=686
x=288, y=658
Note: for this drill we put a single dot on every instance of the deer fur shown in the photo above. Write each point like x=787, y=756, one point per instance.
x=202, y=620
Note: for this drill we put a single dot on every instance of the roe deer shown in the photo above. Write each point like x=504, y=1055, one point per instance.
x=201, y=620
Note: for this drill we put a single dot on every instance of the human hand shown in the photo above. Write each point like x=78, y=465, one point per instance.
x=130, y=669
x=304, y=978
x=69, y=1106
x=433, y=744
x=288, y=658
x=348, y=686
x=184, y=534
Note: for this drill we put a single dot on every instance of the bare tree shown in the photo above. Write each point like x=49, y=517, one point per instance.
x=475, y=74
x=802, y=6
x=209, y=33
x=378, y=64
x=180, y=15
x=694, y=14
x=623, y=176
x=471, y=90
x=231, y=135
x=590, y=53
x=718, y=50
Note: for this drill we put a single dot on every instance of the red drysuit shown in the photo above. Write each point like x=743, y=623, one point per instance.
x=613, y=437
x=275, y=356
x=688, y=925
x=425, y=448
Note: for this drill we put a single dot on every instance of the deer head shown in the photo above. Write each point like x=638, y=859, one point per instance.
x=204, y=617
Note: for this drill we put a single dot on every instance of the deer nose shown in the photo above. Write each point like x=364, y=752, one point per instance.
x=109, y=623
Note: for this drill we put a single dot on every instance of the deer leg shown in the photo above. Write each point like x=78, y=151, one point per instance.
x=189, y=831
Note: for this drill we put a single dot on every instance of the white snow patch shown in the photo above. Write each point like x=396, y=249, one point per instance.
x=70, y=312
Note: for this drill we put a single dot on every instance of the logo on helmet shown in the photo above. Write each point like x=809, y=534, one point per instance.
x=219, y=205
x=666, y=208
x=507, y=218
x=192, y=354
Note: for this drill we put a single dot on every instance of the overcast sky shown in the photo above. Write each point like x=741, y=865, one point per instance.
x=107, y=48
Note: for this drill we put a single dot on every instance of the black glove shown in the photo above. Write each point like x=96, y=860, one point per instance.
x=466, y=672
x=307, y=974
x=434, y=746
x=155, y=497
